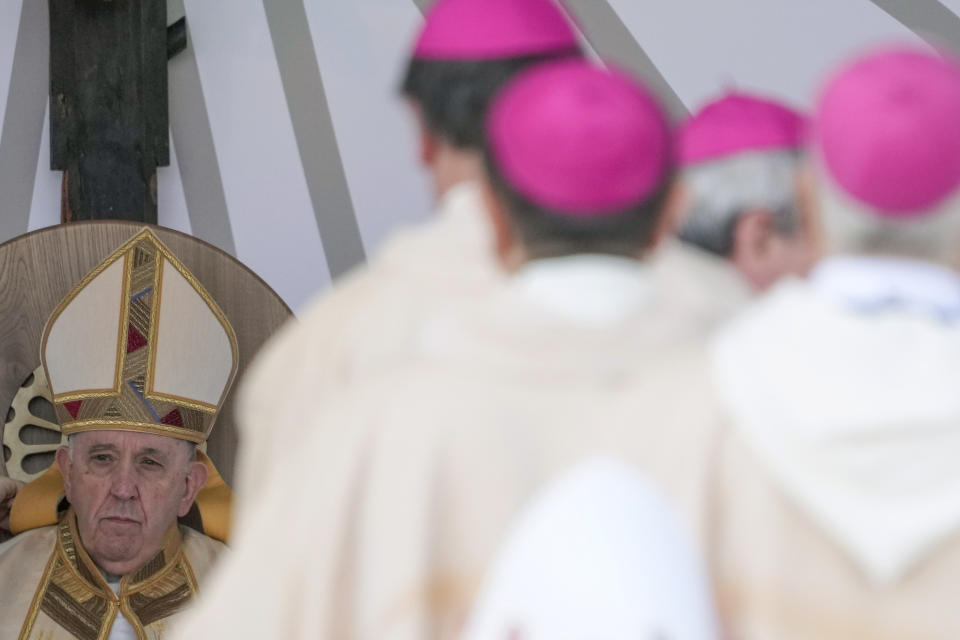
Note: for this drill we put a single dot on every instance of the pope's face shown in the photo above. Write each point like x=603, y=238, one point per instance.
x=127, y=489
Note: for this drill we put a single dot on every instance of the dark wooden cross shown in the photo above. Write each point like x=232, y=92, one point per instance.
x=108, y=104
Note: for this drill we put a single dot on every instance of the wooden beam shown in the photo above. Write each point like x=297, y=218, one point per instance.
x=108, y=106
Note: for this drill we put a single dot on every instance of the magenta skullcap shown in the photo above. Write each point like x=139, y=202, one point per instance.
x=494, y=29
x=738, y=123
x=888, y=130
x=579, y=140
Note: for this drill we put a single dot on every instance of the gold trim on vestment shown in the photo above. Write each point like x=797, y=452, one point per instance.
x=124, y=319
x=37, y=597
x=73, y=592
x=132, y=618
x=154, y=326
x=60, y=398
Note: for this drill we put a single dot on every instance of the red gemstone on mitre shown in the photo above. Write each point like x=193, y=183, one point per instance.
x=73, y=407
x=174, y=419
x=135, y=340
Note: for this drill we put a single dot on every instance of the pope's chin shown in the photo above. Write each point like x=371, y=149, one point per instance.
x=117, y=545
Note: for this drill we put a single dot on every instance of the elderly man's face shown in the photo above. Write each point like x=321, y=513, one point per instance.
x=127, y=489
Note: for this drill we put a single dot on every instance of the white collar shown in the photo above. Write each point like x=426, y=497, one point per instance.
x=588, y=289
x=854, y=414
x=875, y=284
x=461, y=199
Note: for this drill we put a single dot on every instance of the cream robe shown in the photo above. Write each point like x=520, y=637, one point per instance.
x=50, y=589
x=707, y=289
x=399, y=499
x=637, y=575
x=359, y=329
x=838, y=491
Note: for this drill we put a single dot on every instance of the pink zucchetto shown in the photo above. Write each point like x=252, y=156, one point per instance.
x=739, y=123
x=579, y=140
x=887, y=129
x=494, y=29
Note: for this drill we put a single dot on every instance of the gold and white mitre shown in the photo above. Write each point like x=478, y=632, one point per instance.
x=139, y=345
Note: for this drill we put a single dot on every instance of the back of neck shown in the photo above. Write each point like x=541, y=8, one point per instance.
x=452, y=166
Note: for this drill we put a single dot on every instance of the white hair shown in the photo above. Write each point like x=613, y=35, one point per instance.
x=719, y=192
x=853, y=227
x=191, y=446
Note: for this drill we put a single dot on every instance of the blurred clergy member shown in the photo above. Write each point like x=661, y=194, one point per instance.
x=839, y=494
x=596, y=554
x=138, y=376
x=398, y=502
x=465, y=52
x=740, y=225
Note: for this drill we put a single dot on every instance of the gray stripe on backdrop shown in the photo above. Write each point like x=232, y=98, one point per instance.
x=195, y=150
x=23, y=121
x=315, y=134
x=611, y=38
x=929, y=19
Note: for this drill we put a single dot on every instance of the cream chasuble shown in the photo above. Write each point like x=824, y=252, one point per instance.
x=707, y=289
x=51, y=590
x=362, y=327
x=838, y=489
x=396, y=503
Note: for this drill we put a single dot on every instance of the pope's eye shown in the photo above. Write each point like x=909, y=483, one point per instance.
x=102, y=457
x=150, y=463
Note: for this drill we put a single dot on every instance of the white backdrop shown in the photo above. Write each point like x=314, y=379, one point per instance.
x=292, y=151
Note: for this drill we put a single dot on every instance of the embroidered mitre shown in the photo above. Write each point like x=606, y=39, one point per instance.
x=139, y=345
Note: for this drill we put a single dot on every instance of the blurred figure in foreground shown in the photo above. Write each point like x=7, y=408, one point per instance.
x=466, y=50
x=401, y=496
x=596, y=554
x=839, y=490
x=740, y=226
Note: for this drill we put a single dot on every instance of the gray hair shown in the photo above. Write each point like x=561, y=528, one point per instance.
x=192, y=446
x=720, y=191
x=853, y=227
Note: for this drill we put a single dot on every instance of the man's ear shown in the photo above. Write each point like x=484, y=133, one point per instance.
x=65, y=463
x=506, y=244
x=808, y=210
x=671, y=215
x=427, y=142
x=195, y=479
x=752, y=238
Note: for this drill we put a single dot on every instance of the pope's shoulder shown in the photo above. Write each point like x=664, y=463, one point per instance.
x=201, y=550
x=25, y=555
x=28, y=541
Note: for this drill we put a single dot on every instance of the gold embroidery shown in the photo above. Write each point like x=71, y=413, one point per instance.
x=74, y=596
x=37, y=598
x=183, y=402
x=124, y=321
x=127, y=425
x=154, y=326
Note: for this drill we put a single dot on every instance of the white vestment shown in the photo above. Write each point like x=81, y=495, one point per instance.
x=386, y=522
x=361, y=328
x=707, y=289
x=838, y=494
x=597, y=554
